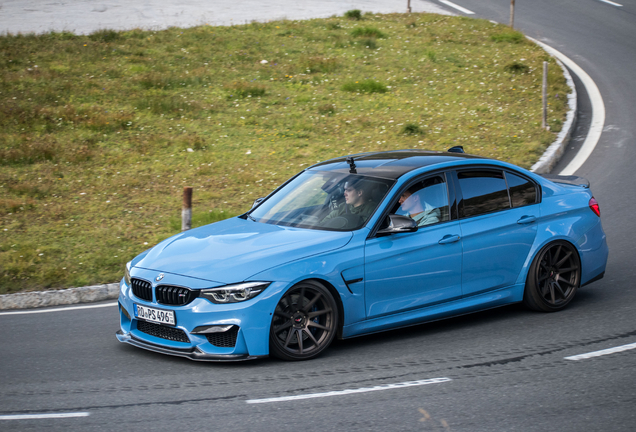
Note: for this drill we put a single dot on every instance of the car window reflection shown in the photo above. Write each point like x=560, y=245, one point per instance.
x=324, y=200
x=426, y=202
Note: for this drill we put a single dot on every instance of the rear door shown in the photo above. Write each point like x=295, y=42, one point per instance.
x=498, y=217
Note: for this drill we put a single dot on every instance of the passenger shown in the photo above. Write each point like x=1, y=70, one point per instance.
x=417, y=209
x=356, y=202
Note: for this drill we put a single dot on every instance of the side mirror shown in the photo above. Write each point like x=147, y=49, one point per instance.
x=398, y=224
x=257, y=201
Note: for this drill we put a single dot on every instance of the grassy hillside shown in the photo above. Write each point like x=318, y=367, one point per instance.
x=99, y=133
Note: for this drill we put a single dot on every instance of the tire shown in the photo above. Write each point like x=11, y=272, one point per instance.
x=554, y=277
x=305, y=322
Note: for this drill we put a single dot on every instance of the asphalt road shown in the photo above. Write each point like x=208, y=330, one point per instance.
x=503, y=370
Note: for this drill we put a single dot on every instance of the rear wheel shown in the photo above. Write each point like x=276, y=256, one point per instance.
x=554, y=277
x=305, y=322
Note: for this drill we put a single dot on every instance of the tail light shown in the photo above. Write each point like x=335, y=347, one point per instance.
x=595, y=207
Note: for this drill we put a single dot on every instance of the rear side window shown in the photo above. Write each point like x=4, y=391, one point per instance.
x=483, y=192
x=522, y=191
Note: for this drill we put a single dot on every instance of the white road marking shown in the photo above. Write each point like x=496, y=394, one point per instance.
x=598, y=111
x=58, y=309
x=459, y=8
x=351, y=391
x=602, y=352
x=612, y=3
x=44, y=416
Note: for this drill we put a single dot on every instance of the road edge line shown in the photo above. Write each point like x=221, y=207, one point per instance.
x=553, y=153
x=64, y=309
x=598, y=115
x=457, y=7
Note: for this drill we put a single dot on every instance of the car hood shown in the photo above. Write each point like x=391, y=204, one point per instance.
x=233, y=250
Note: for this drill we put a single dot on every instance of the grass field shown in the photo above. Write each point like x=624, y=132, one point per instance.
x=100, y=133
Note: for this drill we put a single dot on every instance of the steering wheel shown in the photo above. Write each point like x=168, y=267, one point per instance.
x=344, y=221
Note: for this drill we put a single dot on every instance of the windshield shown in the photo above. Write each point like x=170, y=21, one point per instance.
x=324, y=200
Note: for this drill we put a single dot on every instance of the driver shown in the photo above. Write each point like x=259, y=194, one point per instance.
x=356, y=202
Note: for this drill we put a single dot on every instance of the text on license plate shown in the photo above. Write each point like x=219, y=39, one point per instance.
x=154, y=315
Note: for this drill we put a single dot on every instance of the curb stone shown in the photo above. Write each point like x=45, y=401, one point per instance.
x=110, y=291
x=37, y=299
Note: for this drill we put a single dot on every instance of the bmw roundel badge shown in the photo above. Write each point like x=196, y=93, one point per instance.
x=158, y=278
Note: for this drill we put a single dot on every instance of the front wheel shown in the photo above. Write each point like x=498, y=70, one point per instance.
x=305, y=322
x=554, y=277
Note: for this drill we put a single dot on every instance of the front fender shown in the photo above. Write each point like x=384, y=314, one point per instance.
x=329, y=267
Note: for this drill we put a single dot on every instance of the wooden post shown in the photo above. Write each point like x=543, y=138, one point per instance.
x=186, y=212
x=408, y=6
x=512, y=13
x=544, y=122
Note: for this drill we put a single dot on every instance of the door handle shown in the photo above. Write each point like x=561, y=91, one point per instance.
x=449, y=239
x=526, y=220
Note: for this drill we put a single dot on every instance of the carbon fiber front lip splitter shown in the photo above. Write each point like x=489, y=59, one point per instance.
x=191, y=353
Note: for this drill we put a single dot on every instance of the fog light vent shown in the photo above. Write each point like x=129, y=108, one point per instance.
x=227, y=339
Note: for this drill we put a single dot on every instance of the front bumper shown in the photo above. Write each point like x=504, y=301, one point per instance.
x=252, y=318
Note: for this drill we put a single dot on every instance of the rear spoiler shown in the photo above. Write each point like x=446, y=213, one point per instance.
x=570, y=180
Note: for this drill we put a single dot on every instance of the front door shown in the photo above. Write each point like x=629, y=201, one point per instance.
x=413, y=270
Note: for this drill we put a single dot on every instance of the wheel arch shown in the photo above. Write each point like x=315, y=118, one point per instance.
x=336, y=296
x=554, y=240
x=531, y=296
x=538, y=247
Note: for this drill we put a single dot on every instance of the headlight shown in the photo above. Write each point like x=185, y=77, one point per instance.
x=127, y=274
x=234, y=293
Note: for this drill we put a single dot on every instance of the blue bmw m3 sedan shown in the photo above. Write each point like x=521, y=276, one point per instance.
x=361, y=244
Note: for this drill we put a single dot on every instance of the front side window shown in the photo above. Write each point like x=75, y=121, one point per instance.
x=483, y=192
x=324, y=200
x=426, y=202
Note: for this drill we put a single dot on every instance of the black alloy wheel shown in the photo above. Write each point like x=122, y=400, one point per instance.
x=304, y=323
x=554, y=277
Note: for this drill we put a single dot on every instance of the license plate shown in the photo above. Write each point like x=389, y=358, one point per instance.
x=154, y=315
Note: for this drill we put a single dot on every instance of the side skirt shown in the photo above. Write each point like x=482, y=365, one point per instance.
x=488, y=300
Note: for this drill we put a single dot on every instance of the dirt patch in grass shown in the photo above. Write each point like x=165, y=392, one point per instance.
x=99, y=133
